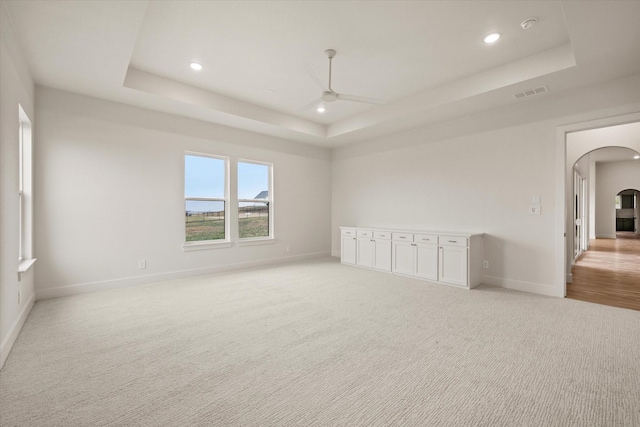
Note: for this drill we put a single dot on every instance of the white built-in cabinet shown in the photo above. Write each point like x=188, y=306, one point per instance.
x=447, y=258
x=348, y=246
x=373, y=249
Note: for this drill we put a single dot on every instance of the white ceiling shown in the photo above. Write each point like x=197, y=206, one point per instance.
x=425, y=58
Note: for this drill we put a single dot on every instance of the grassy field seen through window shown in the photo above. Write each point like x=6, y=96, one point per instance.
x=201, y=227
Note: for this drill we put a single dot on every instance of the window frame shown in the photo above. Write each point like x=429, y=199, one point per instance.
x=269, y=200
x=207, y=244
x=25, y=193
x=21, y=196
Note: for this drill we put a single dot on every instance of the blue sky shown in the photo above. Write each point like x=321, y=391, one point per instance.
x=204, y=177
x=252, y=179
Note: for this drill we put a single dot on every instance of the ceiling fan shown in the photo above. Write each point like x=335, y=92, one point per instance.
x=330, y=95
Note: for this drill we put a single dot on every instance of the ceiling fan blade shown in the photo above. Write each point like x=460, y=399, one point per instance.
x=316, y=77
x=365, y=100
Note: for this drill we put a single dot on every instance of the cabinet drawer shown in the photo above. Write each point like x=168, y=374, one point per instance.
x=382, y=235
x=453, y=241
x=365, y=233
x=348, y=232
x=405, y=237
x=425, y=238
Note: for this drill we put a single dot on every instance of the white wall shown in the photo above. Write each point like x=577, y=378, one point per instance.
x=613, y=177
x=477, y=174
x=479, y=183
x=16, y=87
x=110, y=192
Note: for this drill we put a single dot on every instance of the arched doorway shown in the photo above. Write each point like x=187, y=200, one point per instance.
x=604, y=207
x=591, y=210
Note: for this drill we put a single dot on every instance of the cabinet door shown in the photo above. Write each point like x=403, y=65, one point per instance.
x=382, y=255
x=427, y=261
x=365, y=251
x=403, y=258
x=348, y=250
x=453, y=265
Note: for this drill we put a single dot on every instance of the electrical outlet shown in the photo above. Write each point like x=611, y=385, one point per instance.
x=534, y=209
x=142, y=264
x=485, y=264
x=288, y=248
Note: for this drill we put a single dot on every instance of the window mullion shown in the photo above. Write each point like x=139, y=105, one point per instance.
x=206, y=199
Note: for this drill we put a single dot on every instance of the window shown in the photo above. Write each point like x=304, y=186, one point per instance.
x=21, y=194
x=255, y=200
x=25, y=192
x=205, y=198
x=209, y=203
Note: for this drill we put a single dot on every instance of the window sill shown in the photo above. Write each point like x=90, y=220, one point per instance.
x=256, y=241
x=25, y=265
x=188, y=247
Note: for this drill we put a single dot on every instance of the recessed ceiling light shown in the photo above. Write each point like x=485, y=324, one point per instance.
x=196, y=66
x=320, y=109
x=492, y=38
x=636, y=157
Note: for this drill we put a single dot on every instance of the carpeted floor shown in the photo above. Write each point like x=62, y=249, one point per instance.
x=317, y=343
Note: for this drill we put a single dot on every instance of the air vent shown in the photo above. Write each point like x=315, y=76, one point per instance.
x=531, y=92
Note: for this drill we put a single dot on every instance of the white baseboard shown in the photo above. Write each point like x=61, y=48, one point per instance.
x=7, y=344
x=64, y=291
x=605, y=236
x=519, y=285
x=335, y=254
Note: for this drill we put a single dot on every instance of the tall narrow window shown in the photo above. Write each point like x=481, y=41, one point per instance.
x=205, y=198
x=255, y=200
x=25, y=185
x=25, y=194
x=21, y=194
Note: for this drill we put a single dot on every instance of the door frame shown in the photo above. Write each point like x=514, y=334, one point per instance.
x=564, y=190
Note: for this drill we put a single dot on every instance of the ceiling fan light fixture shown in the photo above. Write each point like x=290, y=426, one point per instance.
x=329, y=96
x=492, y=38
x=196, y=66
x=321, y=109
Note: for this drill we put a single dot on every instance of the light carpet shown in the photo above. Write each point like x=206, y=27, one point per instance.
x=317, y=343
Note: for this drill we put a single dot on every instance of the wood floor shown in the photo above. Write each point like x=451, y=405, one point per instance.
x=609, y=273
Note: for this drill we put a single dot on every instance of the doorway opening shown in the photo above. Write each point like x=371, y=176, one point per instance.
x=603, y=267
x=573, y=142
x=627, y=212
